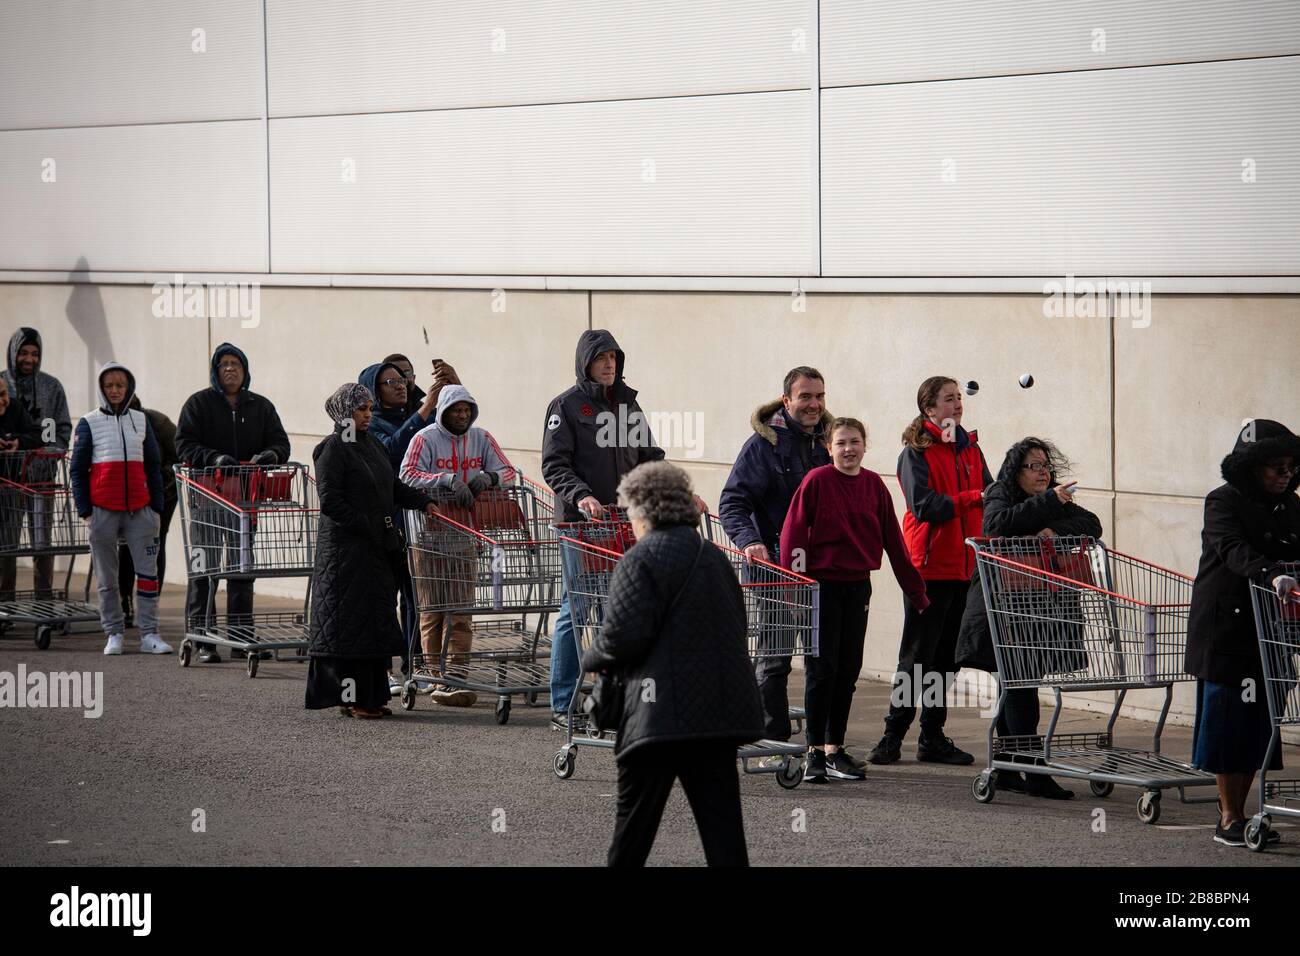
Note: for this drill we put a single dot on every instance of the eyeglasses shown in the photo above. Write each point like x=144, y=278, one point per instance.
x=1280, y=469
x=1038, y=468
x=390, y=382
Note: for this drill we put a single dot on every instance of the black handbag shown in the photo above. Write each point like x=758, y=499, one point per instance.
x=604, y=705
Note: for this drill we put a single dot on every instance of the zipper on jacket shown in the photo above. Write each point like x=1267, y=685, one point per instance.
x=234, y=426
x=126, y=481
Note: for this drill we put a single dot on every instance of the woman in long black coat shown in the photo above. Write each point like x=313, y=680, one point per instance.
x=674, y=627
x=1025, y=500
x=1251, y=532
x=354, y=629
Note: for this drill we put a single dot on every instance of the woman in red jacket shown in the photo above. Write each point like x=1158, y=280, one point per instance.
x=943, y=475
x=840, y=522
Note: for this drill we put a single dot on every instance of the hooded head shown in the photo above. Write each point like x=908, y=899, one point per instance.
x=449, y=396
x=124, y=402
x=225, y=348
x=370, y=377
x=1259, y=442
x=24, y=336
x=590, y=344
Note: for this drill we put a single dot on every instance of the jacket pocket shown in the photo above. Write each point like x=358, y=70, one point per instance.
x=1234, y=628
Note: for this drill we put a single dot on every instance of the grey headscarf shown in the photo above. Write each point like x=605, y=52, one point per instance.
x=346, y=400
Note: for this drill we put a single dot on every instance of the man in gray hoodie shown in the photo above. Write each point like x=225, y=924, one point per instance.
x=43, y=398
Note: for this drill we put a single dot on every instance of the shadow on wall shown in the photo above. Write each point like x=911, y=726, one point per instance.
x=85, y=313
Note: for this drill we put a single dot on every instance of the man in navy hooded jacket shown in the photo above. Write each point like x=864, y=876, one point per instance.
x=789, y=440
x=223, y=426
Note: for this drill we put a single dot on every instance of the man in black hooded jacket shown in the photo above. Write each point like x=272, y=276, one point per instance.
x=595, y=434
x=223, y=426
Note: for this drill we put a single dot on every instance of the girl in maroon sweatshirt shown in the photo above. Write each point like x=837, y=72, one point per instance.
x=840, y=521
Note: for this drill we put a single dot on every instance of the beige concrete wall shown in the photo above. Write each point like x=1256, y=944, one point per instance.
x=1168, y=397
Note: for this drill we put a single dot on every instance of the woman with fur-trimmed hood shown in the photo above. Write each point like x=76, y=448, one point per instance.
x=1251, y=535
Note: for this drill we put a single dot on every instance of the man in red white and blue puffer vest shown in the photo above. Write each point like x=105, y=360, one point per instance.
x=117, y=486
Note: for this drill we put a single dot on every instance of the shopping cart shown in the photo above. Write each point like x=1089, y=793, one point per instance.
x=500, y=563
x=781, y=611
x=242, y=523
x=1277, y=621
x=711, y=526
x=1069, y=614
x=39, y=519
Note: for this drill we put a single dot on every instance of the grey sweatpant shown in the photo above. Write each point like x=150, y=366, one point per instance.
x=139, y=529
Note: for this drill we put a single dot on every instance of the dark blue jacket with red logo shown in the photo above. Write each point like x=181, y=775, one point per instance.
x=594, y=435
x=943, y=483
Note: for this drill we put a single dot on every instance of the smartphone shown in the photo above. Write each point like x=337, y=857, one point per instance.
x=436, y=363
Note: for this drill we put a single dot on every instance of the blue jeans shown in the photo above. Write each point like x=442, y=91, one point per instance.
x=565, y=666
x=566, y=661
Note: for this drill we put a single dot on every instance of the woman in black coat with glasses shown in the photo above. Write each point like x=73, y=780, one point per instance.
x=1025, y=500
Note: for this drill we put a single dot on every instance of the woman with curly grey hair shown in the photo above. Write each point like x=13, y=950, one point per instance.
x=674, y=629
x=359, y=562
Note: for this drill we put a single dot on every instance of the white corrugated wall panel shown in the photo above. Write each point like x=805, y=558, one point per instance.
x=693, y=186
x=891, y=41
x=105, y=62
x=186, y=197
x=1127, y=172
x=353, y=56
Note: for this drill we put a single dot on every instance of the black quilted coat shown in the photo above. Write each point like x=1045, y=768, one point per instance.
x=689, y=677
x=353, y=588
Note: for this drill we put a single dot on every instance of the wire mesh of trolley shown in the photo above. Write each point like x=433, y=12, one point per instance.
x=1068, y=614
x=39, y=519
x=498, y=562
x=711, y=525
x=1277, y=623
x=781, y=610
x=245, y=522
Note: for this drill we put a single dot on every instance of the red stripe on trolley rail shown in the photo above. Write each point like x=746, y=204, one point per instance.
x=1039, y=572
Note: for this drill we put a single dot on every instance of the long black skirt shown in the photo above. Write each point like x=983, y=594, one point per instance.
x=326, y=676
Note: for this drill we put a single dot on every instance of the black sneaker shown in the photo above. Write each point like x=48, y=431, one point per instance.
x=888, y=750
x=814, y=767
x=942, y=750
x=860, y=764
x=560, y=722
x=841, y=768
x=1012, y=781
x=1234, y=835
x=1041, y=785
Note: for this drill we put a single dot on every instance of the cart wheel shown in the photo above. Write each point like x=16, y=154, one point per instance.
x=1101, y=789
x=1149, y=806
x=1257, y=834
x=983, y=788
x=252, y=664
x=564, y=762
x=503, y=710
x=43, y=637
x=187, y=652
x=408, y=695
x=791, y=774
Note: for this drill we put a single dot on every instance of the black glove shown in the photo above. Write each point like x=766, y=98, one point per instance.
x=461, y=494
x=267, y=457
x=481, y=482
x=225, y=461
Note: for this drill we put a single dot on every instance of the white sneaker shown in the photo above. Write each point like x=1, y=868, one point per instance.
x=114, y=645
x=149, y=644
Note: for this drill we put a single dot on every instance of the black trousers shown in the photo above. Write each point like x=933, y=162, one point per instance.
x=709, y=777
x=831, y=677
x=929, y=640
x=1019, y=717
